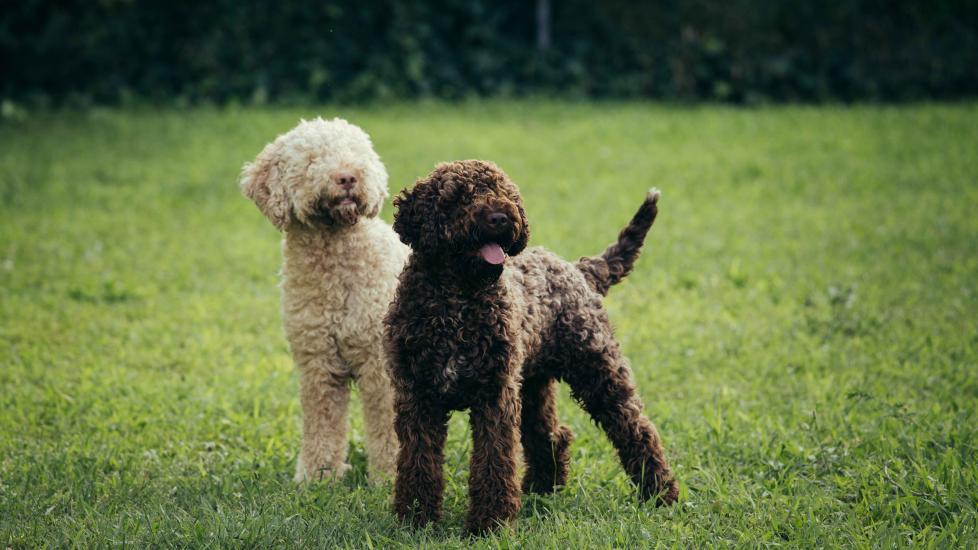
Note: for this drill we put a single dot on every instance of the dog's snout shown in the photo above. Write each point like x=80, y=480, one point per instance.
x=346, y=180
x=496, y=220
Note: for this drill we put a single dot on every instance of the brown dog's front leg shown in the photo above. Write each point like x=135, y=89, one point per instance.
x=494, y=490
x=420, y=482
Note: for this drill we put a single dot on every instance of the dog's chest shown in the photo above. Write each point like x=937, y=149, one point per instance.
x=336, y=298
x=458, y=348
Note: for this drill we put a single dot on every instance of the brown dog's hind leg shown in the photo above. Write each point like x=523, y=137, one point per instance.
x=602, y=383
x=420, y=481
x=545, y=442
x=494, y=490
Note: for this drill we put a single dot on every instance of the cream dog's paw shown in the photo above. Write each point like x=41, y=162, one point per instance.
x=325, y=473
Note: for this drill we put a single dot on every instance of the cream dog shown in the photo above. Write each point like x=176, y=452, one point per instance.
x=323, y=185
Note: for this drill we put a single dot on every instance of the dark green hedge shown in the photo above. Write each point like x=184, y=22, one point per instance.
x=735, y=50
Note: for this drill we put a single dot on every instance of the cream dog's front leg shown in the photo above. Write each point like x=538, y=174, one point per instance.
x=325, y=393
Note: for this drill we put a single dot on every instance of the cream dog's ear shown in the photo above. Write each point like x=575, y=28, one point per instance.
x=261, y=181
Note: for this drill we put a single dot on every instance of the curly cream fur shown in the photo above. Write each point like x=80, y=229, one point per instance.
x=339, y=274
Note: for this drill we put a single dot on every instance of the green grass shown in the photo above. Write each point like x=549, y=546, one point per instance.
x=803, y=326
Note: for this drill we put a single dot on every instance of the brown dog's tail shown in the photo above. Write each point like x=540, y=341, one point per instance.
x=606, y=270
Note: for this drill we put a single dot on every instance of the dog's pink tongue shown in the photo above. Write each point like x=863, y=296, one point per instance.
x=492, y=253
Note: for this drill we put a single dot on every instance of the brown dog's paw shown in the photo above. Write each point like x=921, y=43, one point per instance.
x=482, y=527
x=491, y=516
x=418, y=517
x=664, y=491
x=667, y=493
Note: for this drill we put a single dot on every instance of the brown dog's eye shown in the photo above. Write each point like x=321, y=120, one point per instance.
x=460, y=195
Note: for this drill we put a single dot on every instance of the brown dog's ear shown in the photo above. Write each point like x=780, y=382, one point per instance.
x=523, y=237
x=407, y=219
x=261, y=181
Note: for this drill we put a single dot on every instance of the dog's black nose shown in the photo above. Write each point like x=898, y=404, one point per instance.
x=496, y=220
x=346, y=180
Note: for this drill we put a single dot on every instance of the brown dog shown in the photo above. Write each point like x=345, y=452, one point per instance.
x=477, y=325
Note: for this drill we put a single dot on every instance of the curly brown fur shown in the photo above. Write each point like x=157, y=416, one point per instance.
x=474, y=328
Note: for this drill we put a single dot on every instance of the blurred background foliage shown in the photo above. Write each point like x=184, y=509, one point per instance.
x=118, y=51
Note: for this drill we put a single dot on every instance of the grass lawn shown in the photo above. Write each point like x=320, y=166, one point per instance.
x=803, y=326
